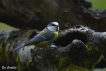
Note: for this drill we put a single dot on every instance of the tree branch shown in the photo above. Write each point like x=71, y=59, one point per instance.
x=78, y=47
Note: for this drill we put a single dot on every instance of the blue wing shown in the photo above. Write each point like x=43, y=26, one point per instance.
x=49, y=36
x=38, y=38
x=19, y=47
x=45, y=37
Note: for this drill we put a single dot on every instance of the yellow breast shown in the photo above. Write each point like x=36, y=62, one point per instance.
x=46, y=43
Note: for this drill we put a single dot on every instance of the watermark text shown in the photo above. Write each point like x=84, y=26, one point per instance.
x=9, y=67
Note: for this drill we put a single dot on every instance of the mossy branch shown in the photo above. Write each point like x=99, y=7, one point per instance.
x=77, y=48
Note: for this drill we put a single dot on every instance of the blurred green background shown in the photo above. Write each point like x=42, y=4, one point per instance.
x=6, y=27
x=96, y=4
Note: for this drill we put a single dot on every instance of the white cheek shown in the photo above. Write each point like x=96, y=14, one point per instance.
x=52, y=28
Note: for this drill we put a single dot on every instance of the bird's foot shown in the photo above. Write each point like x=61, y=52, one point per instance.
x=53, y=46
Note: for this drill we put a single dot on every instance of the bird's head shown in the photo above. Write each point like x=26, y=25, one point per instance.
x=53, y=26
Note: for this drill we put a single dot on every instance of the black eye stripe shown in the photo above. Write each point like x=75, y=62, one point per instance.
x=53, y=25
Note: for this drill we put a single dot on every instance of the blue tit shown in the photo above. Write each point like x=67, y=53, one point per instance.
x=44, y=38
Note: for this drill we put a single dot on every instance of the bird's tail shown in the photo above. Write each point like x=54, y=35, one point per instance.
x=19, y=47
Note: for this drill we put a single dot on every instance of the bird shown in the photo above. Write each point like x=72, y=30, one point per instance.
x=44, y=38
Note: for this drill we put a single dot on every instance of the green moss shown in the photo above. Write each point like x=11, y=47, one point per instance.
x=95, y=54
x=5, y=57
x=18, y=63
x=80, y=60
x=62, y=62
x=74, y=68
x=0, y=48
x=23, y=66
x=29, y=32
x=64, y=65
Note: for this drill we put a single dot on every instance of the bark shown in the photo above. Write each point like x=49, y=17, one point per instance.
x=78, y=48
x=34, y=13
